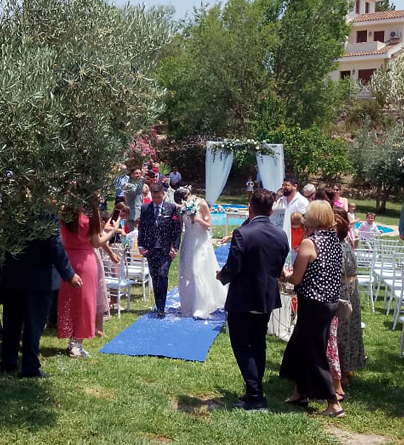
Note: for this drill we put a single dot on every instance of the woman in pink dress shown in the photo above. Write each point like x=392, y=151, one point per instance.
x=77, y=307
x=339, y=201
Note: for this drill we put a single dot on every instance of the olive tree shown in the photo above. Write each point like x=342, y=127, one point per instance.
x=378, y=159
x=76, y=82
x=388, y=84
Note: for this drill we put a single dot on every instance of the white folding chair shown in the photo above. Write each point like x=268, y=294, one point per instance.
x=385, y=263
x=116, y=280
x=138, y=269
x=398, y=295
x=368, y=240
x=392, y=279
x=366, y=258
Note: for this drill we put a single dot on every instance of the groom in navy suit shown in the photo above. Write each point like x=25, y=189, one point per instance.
x=257, y=253
x=158, y=240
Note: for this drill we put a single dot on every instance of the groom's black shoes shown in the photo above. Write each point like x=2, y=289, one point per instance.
x=252, y=403
x=160, y=313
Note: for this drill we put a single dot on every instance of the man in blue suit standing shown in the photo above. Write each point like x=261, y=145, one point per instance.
x=257, y=253
x=159, y=240
x=27, y=284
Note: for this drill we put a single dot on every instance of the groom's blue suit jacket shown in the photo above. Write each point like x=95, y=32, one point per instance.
x=257, y=253
x=167, y=231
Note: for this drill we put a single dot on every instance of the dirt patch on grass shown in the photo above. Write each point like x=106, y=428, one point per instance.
x=98, y=392
x=197, y=406
x=349, y=438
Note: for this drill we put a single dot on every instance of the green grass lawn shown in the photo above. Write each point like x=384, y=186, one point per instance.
x=113, y=399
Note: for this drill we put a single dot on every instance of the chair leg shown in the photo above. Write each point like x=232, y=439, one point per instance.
x=379, y=280
x=397, y=310
x=118, y=299
x=390, y=301
x=386, y=294
x=369, y=296
x=402, y=342
x=128, y=297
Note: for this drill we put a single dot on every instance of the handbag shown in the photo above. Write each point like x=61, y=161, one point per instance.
x=344, y=310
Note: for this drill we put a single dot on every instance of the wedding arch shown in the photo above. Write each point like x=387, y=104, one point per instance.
x=219, y=160
x=271, y=166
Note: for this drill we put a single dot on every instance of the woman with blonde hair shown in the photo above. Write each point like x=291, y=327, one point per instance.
x=317, y=277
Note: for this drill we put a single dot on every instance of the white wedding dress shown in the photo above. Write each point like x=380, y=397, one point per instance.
x=200, y=292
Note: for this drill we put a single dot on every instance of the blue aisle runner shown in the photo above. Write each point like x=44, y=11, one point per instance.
x=174, y=336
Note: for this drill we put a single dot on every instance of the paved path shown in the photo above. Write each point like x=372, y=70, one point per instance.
x=395, y=230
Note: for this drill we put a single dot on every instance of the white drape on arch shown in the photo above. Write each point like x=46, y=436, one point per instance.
x=217, y=169
x=272, y=169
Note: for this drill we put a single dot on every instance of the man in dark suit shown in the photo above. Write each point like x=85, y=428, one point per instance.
x=159, y=240
x=27, y=285
x=257, y=253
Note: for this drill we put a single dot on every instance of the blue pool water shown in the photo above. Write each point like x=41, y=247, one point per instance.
x=219, y=219
x=381, y=228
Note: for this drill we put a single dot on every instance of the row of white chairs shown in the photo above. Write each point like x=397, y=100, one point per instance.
x=132, y=269
x=380, y=264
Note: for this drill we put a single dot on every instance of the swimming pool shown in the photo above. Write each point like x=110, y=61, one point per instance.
x=381, y=228
x=219, y=218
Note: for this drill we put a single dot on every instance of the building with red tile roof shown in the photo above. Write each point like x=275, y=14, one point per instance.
x=375, y=39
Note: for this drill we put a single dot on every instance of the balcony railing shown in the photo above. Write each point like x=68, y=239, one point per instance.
x=364, y=47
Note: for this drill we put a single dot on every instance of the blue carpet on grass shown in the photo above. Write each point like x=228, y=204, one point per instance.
x=174, y=336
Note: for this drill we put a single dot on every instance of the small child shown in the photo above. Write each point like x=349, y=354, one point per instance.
x=297, y=230
x=353, y=231
x=250, y=187
x=368, y=229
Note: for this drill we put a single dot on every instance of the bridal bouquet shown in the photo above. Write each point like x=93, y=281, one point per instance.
x=189, y=207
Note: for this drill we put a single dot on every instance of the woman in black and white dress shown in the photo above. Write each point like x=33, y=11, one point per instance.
x=317, y=277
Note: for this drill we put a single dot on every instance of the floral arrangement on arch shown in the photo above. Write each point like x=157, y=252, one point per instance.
x=228, y=146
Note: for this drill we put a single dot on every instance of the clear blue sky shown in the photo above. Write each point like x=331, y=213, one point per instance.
x=184, y=6
x=399, y=4
x=181, y=6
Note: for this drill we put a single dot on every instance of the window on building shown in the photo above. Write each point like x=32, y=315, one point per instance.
x=378, y=36
x=357, y=6
x=367, y=8
x=361, y=36
x=344, y=74
x=365, y=75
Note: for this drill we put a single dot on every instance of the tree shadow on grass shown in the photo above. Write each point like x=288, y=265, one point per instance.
x=26, y=403
x=380, y=386
x=52, y=352
x=138, y=312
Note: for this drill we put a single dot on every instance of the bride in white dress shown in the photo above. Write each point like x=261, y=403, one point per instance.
x=200, y=292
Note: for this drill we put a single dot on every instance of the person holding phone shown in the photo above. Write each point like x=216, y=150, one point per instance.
x=77, y=307
x=134, y=196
